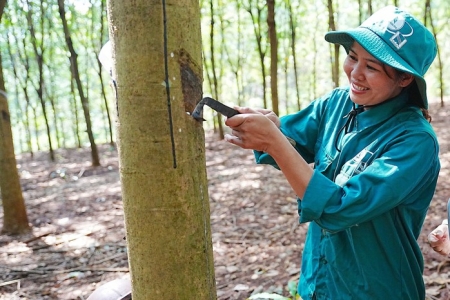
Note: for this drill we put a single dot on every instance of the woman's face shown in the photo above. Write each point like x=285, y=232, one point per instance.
x=372, y=82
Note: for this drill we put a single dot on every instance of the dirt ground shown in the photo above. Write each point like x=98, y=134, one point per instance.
x=77, y=242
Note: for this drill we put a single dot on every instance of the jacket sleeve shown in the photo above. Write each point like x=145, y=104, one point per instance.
x=403, y=174
x=302, y=129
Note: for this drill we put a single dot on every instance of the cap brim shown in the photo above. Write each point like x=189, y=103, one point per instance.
x=373, y=44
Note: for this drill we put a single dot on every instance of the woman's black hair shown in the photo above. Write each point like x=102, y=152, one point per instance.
x=416, y=100
x=414, y=94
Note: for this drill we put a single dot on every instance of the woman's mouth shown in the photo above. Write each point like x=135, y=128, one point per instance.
x=359, y=88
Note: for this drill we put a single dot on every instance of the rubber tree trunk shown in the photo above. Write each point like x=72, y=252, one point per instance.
x=157, y=65
x=15, y=220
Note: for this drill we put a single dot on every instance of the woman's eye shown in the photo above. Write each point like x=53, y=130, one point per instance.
x=352, y=57
x=371, y=68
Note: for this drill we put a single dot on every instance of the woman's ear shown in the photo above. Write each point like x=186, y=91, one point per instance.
x=406, y=79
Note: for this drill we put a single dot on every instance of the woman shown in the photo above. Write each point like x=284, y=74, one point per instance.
x=375, y=161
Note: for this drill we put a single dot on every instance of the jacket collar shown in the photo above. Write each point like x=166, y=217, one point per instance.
x=382, y=112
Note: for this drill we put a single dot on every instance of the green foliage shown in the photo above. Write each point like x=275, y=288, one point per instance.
x=292, y=288
x=40, y=19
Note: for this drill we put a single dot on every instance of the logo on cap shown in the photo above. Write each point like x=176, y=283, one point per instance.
x=399, y=36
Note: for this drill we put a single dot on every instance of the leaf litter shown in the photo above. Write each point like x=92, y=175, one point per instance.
x=78, y=239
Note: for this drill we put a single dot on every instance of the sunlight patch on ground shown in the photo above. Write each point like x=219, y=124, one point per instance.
x=16, y=248
x=80, y=238
x=445, y=161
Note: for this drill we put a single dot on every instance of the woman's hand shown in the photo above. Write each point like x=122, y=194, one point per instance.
x=255, y=129
x=258, y=129
x=439, y=239
x=266, y=112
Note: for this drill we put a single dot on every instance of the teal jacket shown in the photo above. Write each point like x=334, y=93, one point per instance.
x=366, y=203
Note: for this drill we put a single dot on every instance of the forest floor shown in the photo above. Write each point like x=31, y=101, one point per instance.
x=77, y=239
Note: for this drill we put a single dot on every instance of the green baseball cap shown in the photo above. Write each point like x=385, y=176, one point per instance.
x=397, y=39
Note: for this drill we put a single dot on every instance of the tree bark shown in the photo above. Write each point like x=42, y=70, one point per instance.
x=15, y=220
x=273, y=54
x=157, y=64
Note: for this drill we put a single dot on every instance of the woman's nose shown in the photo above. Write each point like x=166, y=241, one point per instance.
x=357, y=71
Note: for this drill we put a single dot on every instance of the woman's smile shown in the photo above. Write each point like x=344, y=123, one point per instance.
x=358, y=88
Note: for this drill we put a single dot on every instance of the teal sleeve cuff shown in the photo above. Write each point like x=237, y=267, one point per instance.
x=321, y=192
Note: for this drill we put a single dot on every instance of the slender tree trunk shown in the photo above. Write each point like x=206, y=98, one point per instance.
x=234, y=58
x=51, y=96
x=15, y=220
x=39, y=54
x=360, y=14
x=215, y=84
x=161, y=148
x=19, y=117
x=23, y=85
x=256, y=20
x=20, y=85
x=335, y=52
x=57, y=120
x=28, y=129
x=286, y=84
x=101, y=42
x=107, y=109
x=76, y=76
x=313, y=85
x=209, y=84
x=273, y=55
x=293, y=42
x=105, y=99
x=440, y=63
x=36, y=126
x=76, y=118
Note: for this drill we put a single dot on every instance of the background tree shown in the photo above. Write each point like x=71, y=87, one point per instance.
x=428, y=19
x=76, y=77
x=161, y=148
x=233, y=51
x=271, y=24
x=334, y=48
x=97, y=44
x=215, y=82
x=39, y=49
x=21, y=84
x=292, y=42
x=256, y=11
x=15, y=220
